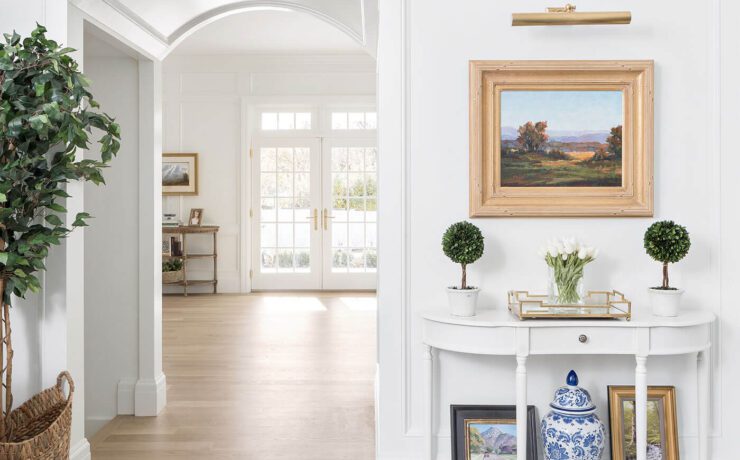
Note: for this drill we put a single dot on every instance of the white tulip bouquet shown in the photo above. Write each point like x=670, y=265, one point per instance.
x=566, y=258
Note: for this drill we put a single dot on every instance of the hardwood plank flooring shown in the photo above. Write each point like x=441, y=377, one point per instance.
x=261, y=376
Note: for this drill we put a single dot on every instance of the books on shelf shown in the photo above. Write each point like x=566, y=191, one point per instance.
x=170, y=220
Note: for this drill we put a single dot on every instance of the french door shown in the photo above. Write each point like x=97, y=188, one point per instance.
x=350, y=203
x=314, y=208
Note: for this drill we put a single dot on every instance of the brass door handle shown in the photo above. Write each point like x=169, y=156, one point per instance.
x=326, y=219
x=315, y=218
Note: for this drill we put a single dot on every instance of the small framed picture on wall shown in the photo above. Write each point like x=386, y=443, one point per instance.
x=196, y=217
x=179, y=173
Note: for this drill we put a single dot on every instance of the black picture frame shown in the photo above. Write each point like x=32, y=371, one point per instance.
x=460, y=413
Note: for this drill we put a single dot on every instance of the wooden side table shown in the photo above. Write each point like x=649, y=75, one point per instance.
x=183, y=232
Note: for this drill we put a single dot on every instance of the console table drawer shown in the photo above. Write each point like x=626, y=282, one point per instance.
x=581, y=340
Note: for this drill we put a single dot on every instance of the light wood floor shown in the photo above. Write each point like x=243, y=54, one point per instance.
x=265, y=376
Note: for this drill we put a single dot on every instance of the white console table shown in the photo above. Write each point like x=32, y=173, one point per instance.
x=497, y=332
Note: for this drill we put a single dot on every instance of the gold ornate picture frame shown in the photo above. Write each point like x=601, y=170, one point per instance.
x=597, y=170
x=662, y=422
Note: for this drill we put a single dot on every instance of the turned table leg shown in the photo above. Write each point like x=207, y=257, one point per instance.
x=702, y=387
x=641, y=406
x=521, y=407
x=428, y=357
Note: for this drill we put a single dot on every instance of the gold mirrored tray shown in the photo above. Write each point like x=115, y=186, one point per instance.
x=596, y=305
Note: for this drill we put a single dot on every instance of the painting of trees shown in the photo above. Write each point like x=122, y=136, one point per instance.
x=614, y=141
x=561, y=138
x=532, y=136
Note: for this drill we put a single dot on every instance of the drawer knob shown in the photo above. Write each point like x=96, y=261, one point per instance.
x=583, y=338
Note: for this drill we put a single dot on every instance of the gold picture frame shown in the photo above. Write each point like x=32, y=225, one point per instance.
x=196, y=217
x=631, y=82
x=661, y=406
x=179, y=174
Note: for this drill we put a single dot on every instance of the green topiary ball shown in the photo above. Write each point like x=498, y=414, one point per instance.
x=463, y=243
x=667, y=242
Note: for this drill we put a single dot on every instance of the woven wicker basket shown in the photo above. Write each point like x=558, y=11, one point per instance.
x=173, y=277
x=41, y=426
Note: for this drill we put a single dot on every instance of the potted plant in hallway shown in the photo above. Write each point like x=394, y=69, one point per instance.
x=46, y=114
x=463, y=244
x=666, y=242
x=172, y=271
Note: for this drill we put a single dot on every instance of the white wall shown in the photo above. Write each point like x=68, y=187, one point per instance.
x=207, y=101
x=423, y=188
x=111, y=258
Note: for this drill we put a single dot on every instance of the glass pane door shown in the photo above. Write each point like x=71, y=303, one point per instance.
x=349, y=214
x=286, y=230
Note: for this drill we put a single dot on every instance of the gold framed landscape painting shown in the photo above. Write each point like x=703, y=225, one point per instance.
x=179, y=173
x=561, y=138
x=662, y=427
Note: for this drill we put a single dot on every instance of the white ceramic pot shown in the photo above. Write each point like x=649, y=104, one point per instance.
x=665, y=302
x=462, y=301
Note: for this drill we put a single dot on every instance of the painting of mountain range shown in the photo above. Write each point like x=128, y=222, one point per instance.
x=175, y=174
x=509, y=133
x=492, y=440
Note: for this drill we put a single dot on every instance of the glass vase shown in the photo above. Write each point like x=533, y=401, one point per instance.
x=565, y=287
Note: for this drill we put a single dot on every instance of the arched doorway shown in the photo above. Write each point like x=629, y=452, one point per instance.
x=216, y=104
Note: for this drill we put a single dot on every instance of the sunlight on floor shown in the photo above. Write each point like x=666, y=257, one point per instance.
x=360, y=303
x=290, y=303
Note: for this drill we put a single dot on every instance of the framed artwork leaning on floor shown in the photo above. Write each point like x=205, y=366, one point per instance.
x=489, y=432
x=662, y=437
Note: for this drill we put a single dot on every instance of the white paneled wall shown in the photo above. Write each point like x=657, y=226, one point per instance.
x=207, y=102
x=424, y=51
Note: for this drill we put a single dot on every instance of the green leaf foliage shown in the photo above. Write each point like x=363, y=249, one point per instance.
x=46, y=114
x=172, y=265
x=463, y=243
x=667, y=242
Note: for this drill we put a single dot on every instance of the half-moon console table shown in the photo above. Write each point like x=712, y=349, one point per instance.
x=497, y=332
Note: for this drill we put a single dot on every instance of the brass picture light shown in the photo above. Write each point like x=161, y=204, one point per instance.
x=567, y=15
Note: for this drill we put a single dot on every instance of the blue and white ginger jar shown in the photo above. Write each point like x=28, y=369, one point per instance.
x=571, y=430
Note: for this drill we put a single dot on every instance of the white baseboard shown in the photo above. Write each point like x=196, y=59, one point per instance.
x=150, y=396
x=126, y=396
x=93, y=424
x=80, y=451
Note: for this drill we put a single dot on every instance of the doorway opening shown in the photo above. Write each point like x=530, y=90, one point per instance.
x=278, y=107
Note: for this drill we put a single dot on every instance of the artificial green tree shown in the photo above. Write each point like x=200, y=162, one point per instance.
x=667, y=242
x=46, y=114
x=462, y=242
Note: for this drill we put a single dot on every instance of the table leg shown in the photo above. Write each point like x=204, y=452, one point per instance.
x=703, y=392
x=185, y=263
x=428, y=356
x=641, y=406
x=521, y=407
x=215, y=264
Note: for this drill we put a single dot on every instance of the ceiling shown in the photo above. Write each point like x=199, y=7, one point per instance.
x=173, y=21
x=267, y=31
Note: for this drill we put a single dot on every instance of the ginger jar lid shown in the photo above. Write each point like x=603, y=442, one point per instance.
x=571, y=398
